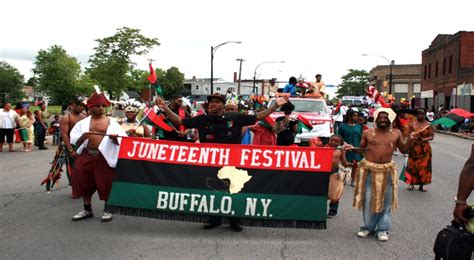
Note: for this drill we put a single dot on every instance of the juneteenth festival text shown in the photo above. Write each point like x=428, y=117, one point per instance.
x=267, y=186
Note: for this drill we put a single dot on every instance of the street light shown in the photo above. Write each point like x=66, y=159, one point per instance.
x=255, y=73
x=240, y=73
x=213, y=50
x=390, y=63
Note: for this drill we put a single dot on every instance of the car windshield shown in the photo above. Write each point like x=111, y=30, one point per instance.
x=308, y=105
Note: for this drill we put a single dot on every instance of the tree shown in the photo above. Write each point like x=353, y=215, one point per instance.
x=111, y=66
x=11, y=83
x=138, y=80
x=353, y=83
x=57, y=74
x=85, y=85
x=31, y=82
x=172, y=81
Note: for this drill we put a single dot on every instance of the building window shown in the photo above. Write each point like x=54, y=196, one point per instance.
x=424, y=72
x=401, y=88
x=444, y=66
x=429, y=71
x=416, y=88
x=450, y=64
x=197, y=87
x=436, y=69
x=218, y=88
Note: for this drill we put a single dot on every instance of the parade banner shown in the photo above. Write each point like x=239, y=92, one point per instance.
x=269, y=186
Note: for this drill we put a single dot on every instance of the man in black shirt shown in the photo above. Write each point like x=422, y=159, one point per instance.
x=176, y=105
x=219, y=127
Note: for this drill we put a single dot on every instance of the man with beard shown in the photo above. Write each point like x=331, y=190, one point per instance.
x=98, y=147
x=376, y=181
x=220, y=127
x=76, y=107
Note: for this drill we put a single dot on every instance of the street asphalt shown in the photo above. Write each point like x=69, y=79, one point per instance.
x=37, y=225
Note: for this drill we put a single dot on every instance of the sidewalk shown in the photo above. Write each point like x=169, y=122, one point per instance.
x=461, y=135
x=19, y=146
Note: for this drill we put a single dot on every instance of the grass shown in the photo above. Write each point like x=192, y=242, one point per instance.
x=54, y=110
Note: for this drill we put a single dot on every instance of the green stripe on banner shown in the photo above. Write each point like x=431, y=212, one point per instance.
x=202, y=202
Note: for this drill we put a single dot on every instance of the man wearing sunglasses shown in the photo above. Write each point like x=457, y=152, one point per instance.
x=98, y=147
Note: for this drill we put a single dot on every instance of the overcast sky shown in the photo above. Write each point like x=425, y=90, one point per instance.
x=326, y=37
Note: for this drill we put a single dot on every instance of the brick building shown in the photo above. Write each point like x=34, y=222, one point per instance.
x=448, y=71
x=406, y=80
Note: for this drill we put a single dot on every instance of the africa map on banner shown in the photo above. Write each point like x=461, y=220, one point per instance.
x=267, y=186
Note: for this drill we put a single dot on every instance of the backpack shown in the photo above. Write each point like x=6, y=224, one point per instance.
x=453, y=242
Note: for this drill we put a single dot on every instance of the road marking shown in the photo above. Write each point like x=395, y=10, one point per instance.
x=459, y=156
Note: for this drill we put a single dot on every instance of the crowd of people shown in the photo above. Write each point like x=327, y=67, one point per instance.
x=362, y=154
x=31, y=126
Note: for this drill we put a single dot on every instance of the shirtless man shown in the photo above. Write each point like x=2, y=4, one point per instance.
x=66, y=124
x=98, y=146
x=376, y=180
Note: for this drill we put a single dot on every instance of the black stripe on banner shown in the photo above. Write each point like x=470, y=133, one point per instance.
x=455, y=118
x=148, y=213
x=203, y=177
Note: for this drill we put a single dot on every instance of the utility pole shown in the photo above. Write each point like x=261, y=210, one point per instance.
x=213, y=50
x=240, y=74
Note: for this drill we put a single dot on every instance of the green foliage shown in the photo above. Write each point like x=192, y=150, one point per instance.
x=31, y=82
x=85, y=85
x=57, y=74
x=11, y=83
x=138, y=80
x=172, y=81
x=353, y=83
x=111, y=66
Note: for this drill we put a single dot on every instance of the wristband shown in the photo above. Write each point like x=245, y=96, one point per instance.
x=459, y=202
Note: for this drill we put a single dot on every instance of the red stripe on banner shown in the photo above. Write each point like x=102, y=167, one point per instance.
x=314, y=159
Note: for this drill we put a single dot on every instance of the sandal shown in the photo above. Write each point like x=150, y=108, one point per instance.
x=411, y=188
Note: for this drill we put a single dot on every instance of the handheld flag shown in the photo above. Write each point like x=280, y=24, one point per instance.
x=157, y=121
x=152, y=77
x=338, y=107
x=158, y=89
x=267, y=122
x=303, y=123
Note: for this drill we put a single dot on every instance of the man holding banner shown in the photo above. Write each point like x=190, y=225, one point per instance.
x=98, y=147
x=219, y=127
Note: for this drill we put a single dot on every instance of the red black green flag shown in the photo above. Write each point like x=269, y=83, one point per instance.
x=267, y=122
x=266, y=186
x=158, y=121
x=454, y=117
x=303, y=123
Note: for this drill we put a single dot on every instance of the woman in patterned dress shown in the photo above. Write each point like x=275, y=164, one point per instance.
x=418, y=170
x=26, y=121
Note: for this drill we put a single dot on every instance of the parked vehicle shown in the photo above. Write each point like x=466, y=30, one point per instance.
x=317, y=112
x=354, y=100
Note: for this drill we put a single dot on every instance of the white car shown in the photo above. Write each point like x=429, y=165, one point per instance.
x=316, y=111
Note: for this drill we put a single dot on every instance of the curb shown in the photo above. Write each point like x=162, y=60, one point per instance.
x=455, y=134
